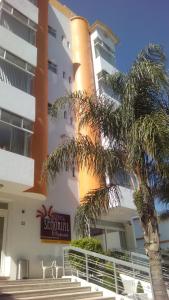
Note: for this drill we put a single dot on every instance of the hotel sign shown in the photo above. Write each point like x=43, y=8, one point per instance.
x=55, y=227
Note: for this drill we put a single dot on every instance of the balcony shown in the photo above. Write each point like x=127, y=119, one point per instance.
x=27, y=8
x=16, y=174
x=13, y=24
x=15, y=76
x=104, y=51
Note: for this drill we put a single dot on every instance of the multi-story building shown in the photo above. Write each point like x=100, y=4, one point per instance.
x=47, y=51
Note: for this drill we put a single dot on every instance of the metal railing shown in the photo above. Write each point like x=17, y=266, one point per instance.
x=118, y=275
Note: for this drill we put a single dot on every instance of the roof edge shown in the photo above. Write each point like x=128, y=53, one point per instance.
x=106, y=29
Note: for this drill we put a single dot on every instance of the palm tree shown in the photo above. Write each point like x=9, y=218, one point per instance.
x=137, y=141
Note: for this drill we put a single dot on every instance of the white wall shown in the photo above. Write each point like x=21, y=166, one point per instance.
x=17, y=46
x=63, y=194
x=16, y=172
x=16, y=101
x=26, y=8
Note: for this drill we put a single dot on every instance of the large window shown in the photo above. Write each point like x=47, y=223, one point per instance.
x=103, y=50
x=19, y=24
x=16, y=72
x=15, y=133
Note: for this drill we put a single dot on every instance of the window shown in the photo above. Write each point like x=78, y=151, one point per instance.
x=52, y=67
x=65, y=114
x=15, y=133
x=68, y=44
x=13, y=24
x=16, y=61
x=62, y=38
x=64, y=75
x=52, y=31
x=70, y=79
x=71, y=120
x=19, y=16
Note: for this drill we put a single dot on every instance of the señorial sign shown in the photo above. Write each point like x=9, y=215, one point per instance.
x=55, y=227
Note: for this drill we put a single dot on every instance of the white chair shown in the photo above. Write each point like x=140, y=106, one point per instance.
x=53, y=268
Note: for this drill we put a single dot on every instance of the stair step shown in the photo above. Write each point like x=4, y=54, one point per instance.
x=100, y=298
x=72, y=296
x=35, y=281
x=37, y=286
x=33, y=293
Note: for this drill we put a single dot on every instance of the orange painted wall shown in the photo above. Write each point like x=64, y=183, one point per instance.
x=40, y=136
x=83, y=81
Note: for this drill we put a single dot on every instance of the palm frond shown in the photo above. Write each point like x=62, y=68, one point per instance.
x=83, y=152
x=72, y=101
x=95, y=203
x=103, y=115
x=149, y=134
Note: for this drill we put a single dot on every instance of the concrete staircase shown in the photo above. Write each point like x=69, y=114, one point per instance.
x=49, y=289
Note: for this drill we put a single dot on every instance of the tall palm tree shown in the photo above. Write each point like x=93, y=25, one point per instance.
x=137, y=141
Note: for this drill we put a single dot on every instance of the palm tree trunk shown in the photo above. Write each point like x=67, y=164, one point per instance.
x=152, y=247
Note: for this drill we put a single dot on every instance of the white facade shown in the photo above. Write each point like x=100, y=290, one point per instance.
x=19, y=227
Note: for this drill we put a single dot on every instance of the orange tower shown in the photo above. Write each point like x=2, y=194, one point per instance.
x=83, y=81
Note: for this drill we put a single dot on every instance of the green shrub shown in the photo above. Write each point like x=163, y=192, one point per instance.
x=139, y=288
x=77, y=260
x=109, y=279
x=88, y=243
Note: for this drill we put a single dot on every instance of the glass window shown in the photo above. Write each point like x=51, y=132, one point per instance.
x=11, y=118
x=2, y=52
x=27, y=124
x=52, y=67
x=5, y=136
x=65, y=114
x=32, y=24
x=14, y=139
x=30, y=68
x=16, y=60
x=7, y=7
x=20, y=16
x=52, y=31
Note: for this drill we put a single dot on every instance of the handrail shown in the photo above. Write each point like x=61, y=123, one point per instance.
x=106, y=271
x=108, y=258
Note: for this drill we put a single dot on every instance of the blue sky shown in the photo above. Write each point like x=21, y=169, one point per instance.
x=135, y=22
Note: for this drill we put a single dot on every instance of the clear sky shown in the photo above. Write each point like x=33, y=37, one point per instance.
x=135, y=22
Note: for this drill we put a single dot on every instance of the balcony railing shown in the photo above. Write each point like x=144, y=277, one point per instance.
x=14, y=25
x=14, y=139
x=16, y=77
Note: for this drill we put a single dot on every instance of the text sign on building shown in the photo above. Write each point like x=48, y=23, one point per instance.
x=54, y=226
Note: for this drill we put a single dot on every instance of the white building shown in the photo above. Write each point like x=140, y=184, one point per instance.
x=46, y=51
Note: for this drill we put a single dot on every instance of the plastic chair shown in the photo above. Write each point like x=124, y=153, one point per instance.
x=53, y=267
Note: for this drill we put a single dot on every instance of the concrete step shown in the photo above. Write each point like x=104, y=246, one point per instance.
x=37, y=286
x=47, y=292
x=34, y=281
x=68, y=296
